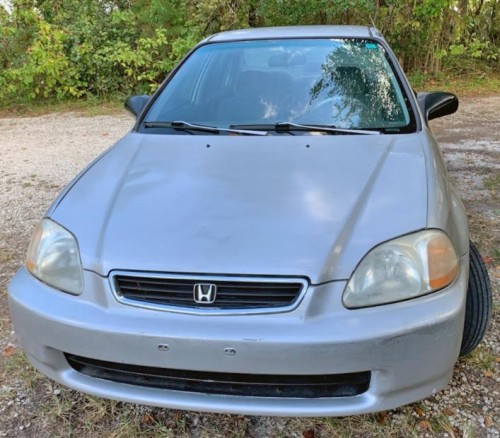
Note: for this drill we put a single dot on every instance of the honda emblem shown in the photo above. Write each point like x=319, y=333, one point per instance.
x=204, y=293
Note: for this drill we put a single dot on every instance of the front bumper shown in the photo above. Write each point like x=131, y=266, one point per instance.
x=409, y=348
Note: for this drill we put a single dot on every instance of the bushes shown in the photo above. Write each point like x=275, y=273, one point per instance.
x=97, y=50
x=63, y=49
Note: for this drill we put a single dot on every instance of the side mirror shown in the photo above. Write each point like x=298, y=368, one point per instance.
x=135, y=104
x=437, y=104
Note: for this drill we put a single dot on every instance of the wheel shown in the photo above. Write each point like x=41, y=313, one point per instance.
x=479, y=303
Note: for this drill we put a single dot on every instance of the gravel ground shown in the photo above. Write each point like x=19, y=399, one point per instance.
x=39, y=155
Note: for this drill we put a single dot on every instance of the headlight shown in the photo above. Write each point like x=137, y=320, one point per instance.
x=53, y=257
x=403, y=268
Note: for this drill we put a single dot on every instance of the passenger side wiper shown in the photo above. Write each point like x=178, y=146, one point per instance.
x=179, y=124
x=289, y=126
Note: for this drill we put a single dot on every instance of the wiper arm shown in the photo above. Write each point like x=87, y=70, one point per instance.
x=288, y=126
x=180, y=124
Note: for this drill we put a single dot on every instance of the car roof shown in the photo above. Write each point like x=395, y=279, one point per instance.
x=322, y=31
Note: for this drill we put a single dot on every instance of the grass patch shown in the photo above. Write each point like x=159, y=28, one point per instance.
x=17, y=365
x=496, y=254
x=481, y=359
x=88, y=107
x=463, y=85
x=493, y=184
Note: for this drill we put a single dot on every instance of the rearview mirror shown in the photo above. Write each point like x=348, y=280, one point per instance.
x=135, y=104
x=437, y=104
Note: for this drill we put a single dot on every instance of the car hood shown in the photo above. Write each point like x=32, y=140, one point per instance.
x=309, y=206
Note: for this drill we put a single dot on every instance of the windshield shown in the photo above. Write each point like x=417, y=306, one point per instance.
x=342, y=83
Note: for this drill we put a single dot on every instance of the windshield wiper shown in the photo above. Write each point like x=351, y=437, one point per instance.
x=288, y=126
x=180, y=124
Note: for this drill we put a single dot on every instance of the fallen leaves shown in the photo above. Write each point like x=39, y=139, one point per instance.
x=382, y=418
x=420, y=412
x=424, y=425
x=8, y=351
x=147, y=419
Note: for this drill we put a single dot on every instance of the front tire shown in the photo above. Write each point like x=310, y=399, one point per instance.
x=479, y=303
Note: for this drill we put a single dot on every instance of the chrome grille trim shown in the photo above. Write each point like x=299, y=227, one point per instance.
x=208, y=279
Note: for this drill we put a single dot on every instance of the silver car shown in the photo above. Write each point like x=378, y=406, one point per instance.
x=276, y=235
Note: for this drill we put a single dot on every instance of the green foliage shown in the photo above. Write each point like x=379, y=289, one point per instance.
x=63, y=49
x=290, y=12
x=67, y=49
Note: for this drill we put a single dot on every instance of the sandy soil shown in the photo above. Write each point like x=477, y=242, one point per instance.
x=39, y=155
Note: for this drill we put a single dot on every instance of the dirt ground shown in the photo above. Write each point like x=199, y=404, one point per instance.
x=39, y=155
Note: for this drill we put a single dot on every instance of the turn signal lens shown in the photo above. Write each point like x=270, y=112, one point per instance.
x=442, y=262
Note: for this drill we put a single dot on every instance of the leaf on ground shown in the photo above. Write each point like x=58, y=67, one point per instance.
x=382, y=418
x=488, y=373
x=487, y=260
x=448, y=412
x=8, y=351
x=148, y=419
x=424, y=425
x=420, y=412
x=308, y=433
x=488, y=421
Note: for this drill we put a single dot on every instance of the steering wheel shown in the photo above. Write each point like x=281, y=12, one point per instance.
x=336, y=110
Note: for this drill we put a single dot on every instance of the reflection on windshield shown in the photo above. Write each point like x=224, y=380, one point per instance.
x=346, y=83
x=347, y=97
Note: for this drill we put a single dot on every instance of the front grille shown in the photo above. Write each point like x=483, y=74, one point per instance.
x=230, y=294
x=256, y=385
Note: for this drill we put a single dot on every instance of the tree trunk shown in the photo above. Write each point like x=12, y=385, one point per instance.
x=463, y=8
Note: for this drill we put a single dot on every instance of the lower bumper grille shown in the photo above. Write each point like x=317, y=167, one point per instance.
x=256, y=385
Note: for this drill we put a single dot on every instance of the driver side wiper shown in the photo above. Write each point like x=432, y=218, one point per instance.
x=180, y=124
x=288, y=126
